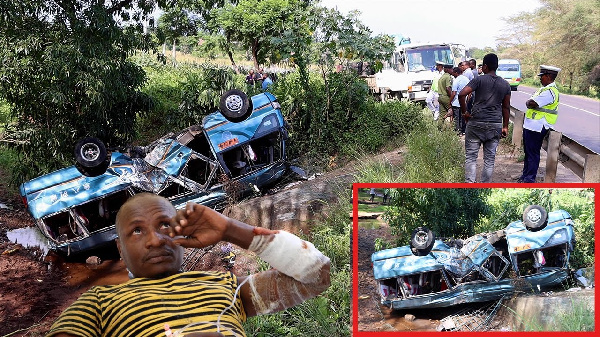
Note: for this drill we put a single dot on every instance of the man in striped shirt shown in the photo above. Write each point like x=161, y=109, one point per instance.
x=160, y=300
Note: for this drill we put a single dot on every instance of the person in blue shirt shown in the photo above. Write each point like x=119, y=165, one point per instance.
x=267, y=81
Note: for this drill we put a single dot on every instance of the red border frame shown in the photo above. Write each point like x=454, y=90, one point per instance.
x=354, y=247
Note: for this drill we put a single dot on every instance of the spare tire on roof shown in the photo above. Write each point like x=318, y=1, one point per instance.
x=90, y=152
x=421, y=241
x=235, y=105
x=535, y=217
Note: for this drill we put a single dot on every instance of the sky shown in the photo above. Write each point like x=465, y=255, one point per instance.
x=473, y=23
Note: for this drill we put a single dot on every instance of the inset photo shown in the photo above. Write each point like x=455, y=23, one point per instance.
x=473, y=259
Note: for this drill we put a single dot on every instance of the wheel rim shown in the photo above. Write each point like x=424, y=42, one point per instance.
x=421, y=237
x=234, y=103
x=534, y=215
x=90, y=151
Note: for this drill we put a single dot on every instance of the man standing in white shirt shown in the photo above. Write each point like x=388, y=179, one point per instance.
x=458, y=84
x=541, y=114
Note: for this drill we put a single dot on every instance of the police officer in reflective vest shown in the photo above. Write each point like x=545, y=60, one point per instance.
x=542, y=111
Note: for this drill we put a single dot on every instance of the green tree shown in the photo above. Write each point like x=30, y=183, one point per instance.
x=448, y=212
x=174, y=24
x=342, y=39
x=565, y=33
x=254, y=23
x=66, y=74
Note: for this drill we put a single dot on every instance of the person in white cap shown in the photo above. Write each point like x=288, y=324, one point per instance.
x=541, y=114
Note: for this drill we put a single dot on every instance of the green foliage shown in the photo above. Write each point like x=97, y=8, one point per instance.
x=448, y=212
x=381, y=244
x=255, y=23
x=580, y=317
x=329, y=313
x=4, y=113
x=434, y=154
x=9, y=160
x=202, y=90
x=339, y=116
x=341, y=39
x=183, y=96
x=66, y=75
x=572, y=44
x=376, y=170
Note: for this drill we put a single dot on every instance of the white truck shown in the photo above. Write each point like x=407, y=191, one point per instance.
x=409, y=73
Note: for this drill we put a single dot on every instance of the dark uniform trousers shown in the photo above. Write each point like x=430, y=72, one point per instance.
x=532, y=143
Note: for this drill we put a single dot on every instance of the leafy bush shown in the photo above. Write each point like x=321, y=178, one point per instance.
x=340, y=116
x=183, y=96
x=448, y=212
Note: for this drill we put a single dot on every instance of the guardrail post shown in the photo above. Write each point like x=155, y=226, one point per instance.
x=517, y=135
x=591, y=169
x=552, y=157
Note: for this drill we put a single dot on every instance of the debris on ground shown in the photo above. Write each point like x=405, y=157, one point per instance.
x=476, y=318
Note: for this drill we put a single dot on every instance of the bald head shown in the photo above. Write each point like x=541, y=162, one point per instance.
x=143, y=226
x=137, y=201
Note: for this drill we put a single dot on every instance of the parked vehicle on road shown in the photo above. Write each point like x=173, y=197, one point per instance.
x=529, y=255
x=234, y=152
x=510, y=70
x=409, y=73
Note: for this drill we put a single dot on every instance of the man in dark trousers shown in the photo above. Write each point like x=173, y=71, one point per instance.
x=488, y=120
x=541, y=114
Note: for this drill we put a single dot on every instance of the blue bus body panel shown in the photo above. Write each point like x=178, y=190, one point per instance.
x=401, y=261
x=558, y=231
x=480, y=291
x=265, y=119
x=65, y=188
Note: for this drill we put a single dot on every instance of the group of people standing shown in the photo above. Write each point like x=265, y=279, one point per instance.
x=259, y=77
x=478, y=101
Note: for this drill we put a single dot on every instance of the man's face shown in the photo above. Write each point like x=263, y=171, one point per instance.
x=144, y=242
x=464, y=66
x=545, y=79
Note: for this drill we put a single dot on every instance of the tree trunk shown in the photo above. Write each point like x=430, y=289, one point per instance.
x=174, y=55
x=570, y=80
x=230, y=54
x=255, y=47
x=165, y=48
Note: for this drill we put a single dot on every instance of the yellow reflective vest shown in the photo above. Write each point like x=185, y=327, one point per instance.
x=550, y=111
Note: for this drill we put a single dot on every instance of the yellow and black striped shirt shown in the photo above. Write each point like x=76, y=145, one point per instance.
x=141, y=307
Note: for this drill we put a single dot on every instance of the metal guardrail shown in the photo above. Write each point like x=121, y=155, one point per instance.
x=560, y=148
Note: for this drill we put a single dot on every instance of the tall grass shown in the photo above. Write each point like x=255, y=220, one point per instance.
x=9, y=160
x=328, y=314
x=576, y=317
x=435, y=154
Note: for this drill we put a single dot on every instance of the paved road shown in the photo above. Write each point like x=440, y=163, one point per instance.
x=578, y=117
